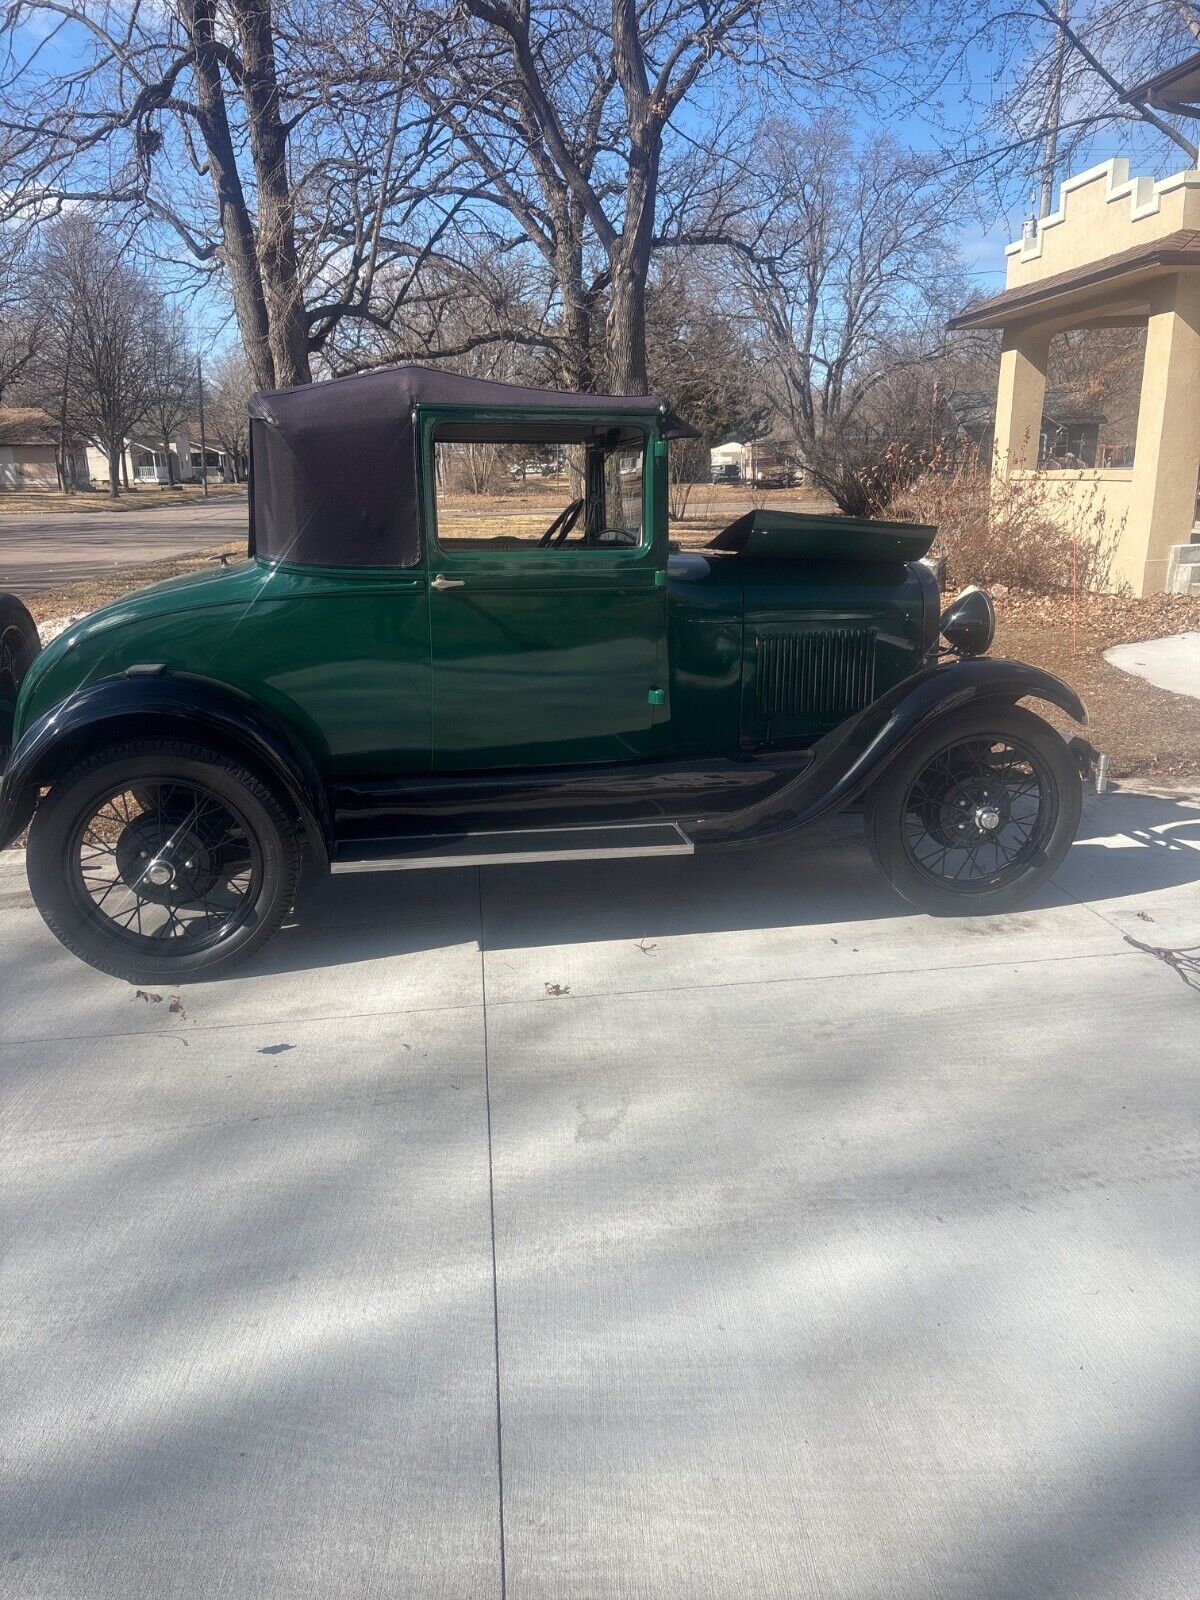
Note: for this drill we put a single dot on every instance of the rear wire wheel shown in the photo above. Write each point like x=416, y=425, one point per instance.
x=978, y=814
x=160, y=860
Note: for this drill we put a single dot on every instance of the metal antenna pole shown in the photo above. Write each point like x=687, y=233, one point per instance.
x=203, y=440
x=1054, y=111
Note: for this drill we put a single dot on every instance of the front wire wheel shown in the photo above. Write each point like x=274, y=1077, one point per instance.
x=159, y=860
x=978, y=814
x=169, y=861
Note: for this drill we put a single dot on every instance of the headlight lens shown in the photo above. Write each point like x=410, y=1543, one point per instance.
x=968, y=623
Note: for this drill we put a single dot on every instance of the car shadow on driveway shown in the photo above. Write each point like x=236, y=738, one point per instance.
x=1130, y=843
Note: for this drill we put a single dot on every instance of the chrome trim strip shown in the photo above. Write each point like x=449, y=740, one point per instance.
x=675, y=843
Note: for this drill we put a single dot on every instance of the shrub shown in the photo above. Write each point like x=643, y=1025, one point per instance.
x=862, y=475
x=1032, y=532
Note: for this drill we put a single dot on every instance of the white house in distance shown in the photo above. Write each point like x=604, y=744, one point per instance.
x=764, y=462
x=147, y=462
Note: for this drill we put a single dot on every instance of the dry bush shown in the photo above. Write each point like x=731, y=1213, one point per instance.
x=863, y=475
x=1031, y=533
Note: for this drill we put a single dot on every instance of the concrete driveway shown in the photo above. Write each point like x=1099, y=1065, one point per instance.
x=41, y=552
x=692, y=1228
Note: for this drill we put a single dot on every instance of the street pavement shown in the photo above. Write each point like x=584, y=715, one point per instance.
x=682, y=1228
x=42, y=551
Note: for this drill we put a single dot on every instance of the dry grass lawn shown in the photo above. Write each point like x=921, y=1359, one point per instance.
x=146, y=497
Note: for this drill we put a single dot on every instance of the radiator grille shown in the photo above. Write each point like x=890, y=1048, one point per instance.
x=827, y=674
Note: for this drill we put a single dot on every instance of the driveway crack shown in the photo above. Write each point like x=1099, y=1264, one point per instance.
x=487, y=1095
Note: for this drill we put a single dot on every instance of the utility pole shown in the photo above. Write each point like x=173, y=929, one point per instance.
x=1058, y=63
x=203, y=440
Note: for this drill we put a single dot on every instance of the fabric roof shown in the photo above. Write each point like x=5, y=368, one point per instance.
x=333, y=466
x=391, y=389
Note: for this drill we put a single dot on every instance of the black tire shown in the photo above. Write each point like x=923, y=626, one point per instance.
x=927, y=815
x=213, y=826
x=19, y=646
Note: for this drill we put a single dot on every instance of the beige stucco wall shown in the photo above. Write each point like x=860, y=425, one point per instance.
x=1101, y=212
x=1095, y=505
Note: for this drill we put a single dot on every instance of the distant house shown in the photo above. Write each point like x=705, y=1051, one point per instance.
x=29, y=452
x=146, y=461
x=1070, y=431
x=766, y=462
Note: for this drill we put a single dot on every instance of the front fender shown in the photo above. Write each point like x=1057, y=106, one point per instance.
x=847, y=761
x=149, y=702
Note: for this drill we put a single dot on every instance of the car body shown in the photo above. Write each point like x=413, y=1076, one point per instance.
x=415, y=676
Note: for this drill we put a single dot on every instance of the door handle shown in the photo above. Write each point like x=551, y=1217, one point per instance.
x=443, y=582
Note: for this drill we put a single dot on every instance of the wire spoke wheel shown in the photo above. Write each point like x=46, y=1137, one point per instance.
x=977, y=814
x=165, y=866
x=13, y=650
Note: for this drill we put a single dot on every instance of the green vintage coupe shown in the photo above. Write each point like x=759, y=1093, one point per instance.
x=408, y=672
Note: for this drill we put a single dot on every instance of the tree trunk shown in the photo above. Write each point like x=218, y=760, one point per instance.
x=237, y=233
x=124, y=467
x=166, y=444
x=277, y=265
x=629, y=263
x=115, y=452
x=626, y=336
x=577, y=361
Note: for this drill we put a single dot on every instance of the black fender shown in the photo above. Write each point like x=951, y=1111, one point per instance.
x=847, y=761
x=149, y=701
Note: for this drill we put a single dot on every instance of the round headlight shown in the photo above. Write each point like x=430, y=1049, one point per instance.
x=968, y=623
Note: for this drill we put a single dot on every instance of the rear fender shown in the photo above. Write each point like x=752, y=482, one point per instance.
x=848, y=761
x=149, y=702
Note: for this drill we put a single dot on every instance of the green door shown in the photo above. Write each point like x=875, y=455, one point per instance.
x=546, y=609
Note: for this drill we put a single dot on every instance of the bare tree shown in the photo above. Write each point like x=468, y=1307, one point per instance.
x=569, y=118
x=845, y=274
x=227, y=406
x=703, y=358
x=104, y=311
x=249, y=134
x=170, y=377
x=21, y=310
x=1062, y=77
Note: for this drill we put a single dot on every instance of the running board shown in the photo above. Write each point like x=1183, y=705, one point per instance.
x=510, y=848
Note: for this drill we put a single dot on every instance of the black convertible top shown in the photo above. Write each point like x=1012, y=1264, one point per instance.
x=333, y=466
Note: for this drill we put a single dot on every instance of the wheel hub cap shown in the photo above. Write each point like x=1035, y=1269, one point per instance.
x=163, y=862
x=987, y=818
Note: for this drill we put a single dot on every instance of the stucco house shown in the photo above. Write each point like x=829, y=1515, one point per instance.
x=1118, y=252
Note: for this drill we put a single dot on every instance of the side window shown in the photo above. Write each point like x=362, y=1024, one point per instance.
x=559, y=490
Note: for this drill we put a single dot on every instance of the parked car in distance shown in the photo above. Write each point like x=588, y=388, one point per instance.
x=727, y=472
x=393, y=680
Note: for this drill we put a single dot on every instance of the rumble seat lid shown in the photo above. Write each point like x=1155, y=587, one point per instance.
x=802, y=536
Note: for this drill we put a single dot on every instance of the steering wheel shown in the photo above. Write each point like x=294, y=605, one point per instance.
x=562, y=525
